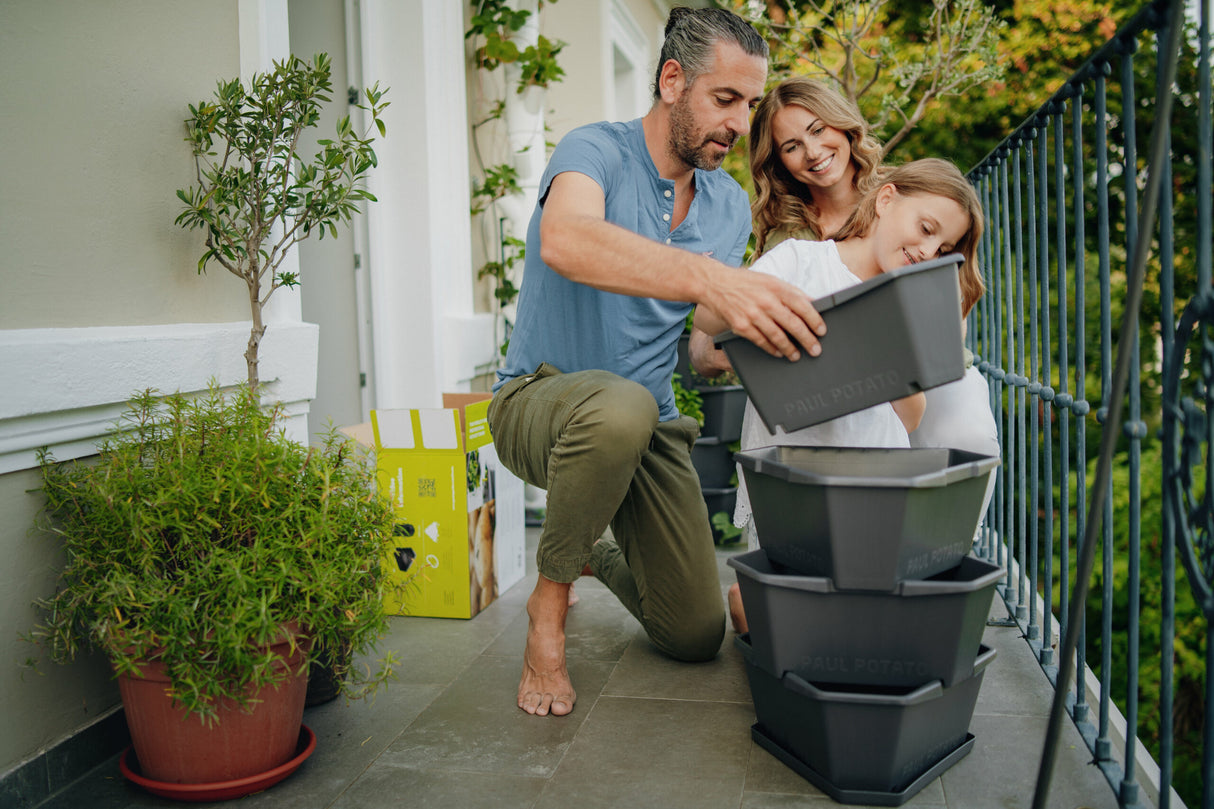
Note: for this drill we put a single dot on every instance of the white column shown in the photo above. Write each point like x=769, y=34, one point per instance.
x=427, y=337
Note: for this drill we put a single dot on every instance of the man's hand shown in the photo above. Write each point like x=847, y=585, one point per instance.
x=772, y=314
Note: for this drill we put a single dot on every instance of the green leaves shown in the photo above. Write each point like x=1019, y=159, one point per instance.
x=496, y=23
x=500, y=181
x=894, y=64
x=201, y=530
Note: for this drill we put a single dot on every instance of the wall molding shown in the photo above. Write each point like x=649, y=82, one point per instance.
x=65, y=387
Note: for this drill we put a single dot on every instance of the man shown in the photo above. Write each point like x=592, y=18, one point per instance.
x=634, y=224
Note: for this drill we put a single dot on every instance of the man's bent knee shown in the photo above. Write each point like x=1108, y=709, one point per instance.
x=622, y=412
x=694, y=641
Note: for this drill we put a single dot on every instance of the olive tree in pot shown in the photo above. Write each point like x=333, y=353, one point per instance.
x=210, y=556
x=256, y=197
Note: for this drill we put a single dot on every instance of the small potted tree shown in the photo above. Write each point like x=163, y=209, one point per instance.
x=212, y=558
x=255, y=196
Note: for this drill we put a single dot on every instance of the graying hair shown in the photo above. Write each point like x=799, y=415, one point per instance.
x=691, y=35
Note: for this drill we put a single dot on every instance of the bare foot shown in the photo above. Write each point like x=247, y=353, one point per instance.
x=573, y=597
x=545, y=686
x=737, y=615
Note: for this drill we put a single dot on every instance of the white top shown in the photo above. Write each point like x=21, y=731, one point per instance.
x=958, y=416
x=816, y=268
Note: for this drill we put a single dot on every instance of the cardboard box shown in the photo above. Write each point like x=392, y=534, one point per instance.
x=459, y=512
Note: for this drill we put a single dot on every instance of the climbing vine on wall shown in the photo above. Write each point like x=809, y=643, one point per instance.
x=493, y=31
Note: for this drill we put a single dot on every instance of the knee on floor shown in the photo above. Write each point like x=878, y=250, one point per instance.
x=694, y=641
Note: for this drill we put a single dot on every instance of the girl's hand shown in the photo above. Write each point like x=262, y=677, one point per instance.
x=910, y=410
x=706, y=359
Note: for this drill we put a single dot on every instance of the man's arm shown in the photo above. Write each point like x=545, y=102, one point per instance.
x=580, y=244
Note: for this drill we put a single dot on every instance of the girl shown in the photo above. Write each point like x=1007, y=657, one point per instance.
x=921, y=210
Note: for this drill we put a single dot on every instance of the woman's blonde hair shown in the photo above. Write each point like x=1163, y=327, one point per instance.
x=940, y=178
x=780, y=200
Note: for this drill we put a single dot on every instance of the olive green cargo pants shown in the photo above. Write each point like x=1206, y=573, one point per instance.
x=592, y=439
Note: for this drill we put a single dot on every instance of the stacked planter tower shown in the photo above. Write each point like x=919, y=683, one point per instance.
x=723, y=407
x=865, y=609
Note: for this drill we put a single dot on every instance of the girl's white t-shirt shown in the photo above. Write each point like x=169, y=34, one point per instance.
x=816, y=268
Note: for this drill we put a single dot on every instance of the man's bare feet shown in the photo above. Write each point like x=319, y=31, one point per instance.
x=545, y=687
x=573, y=597
x=737, y=615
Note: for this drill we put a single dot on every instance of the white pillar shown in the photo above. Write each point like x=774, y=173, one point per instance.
x=427, y=337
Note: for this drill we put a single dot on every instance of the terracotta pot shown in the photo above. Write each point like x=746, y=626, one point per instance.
x=175, y=747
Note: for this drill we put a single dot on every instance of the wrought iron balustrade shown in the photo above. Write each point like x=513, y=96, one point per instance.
x=1062, y=196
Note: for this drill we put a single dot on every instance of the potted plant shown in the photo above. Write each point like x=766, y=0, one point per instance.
x=200, y=537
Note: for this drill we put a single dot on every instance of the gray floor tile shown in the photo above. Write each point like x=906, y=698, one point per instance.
x=653, y=753
x=1013, y=683
x=476, y=724
x=350, y=735
x=390, y=785
x=437, y=650
x=1002, y=769
x=102, y=788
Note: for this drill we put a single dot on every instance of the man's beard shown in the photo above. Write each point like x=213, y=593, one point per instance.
x=688, y=144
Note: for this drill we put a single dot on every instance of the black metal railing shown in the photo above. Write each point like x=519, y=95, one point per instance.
x=1062, y=196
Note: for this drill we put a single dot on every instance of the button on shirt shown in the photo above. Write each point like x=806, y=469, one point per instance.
x=575, y=327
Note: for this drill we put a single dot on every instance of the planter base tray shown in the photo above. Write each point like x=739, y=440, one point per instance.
x=221, y=790
x=866, y=797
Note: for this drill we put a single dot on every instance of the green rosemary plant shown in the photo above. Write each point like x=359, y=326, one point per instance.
x=200, y=531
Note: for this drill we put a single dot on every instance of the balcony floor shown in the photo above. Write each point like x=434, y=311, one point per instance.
x=646, y=732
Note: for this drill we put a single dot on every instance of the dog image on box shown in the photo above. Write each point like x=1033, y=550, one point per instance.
x=482, y=522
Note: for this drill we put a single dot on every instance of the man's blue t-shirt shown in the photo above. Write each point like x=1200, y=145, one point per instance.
x=574, y=327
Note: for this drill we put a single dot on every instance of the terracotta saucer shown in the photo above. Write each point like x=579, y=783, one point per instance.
x=219, y=790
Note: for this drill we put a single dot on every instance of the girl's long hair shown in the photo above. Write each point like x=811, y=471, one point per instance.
x=937, y=177
x=780, y=200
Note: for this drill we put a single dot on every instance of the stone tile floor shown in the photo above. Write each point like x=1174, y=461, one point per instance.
x=646, y=732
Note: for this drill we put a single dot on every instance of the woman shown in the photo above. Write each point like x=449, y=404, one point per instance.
x=811, y=160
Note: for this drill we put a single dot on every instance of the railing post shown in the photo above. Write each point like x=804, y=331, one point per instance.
x=1103, y=748
x=1167, y=597
x=1046, y=656
x=1081, y=406
x=1019, y=379
x=1063, y=400
x=1011, y=596
x=1033, y=389
x=1135, y=430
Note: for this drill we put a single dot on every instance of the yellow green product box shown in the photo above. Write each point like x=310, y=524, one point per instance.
x=459, y=513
